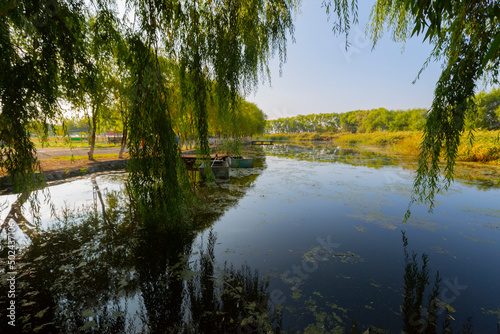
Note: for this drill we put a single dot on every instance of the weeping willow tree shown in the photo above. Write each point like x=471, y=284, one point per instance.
x=466, y=36
x=221, y=44
x=45, y=55
x=41, y=53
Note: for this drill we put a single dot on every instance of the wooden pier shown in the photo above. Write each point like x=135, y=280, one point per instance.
x=262, y=142
x=190, y=159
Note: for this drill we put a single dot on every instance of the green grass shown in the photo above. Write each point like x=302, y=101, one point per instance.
x=64, y=142
x=84, y=157
x=485, y=147
x=76, y=145
x=305, y=136
x=374, y=138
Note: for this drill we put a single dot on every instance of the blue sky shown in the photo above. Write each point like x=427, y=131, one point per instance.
x=320, y=76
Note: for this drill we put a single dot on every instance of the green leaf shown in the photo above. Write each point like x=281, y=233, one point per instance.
x=90, y=324
x=492, y=50
x=41, y=313
x=187, y=274
x=83, y=263
x=87, y=314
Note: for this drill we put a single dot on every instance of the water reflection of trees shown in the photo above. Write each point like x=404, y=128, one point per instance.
x=101, y=271
x=422, y=312
x=418, y=318
x=331, y=153
x=81, y=277
x=71, y=270
x=201, y=298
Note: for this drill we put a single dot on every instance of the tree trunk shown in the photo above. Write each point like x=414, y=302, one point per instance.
x=99, y=195
x=16, y=214
x=92, y=136
x=124, y=140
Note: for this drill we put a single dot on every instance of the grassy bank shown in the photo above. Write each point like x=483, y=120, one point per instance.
x=485, y=148
x=85, y=157
x=372, y=139
x=295, y=136
x=66, y=142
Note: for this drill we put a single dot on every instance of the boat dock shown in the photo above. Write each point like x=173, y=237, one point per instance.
x=190, y=159
x=262, y=142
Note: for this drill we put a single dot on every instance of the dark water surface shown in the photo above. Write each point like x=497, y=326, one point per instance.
x=310, y=240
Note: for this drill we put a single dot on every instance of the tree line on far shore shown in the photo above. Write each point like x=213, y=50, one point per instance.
x=485, y=115
x=248, y=120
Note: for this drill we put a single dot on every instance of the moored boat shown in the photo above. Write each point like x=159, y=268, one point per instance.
x=220, y=169
x=240, y=162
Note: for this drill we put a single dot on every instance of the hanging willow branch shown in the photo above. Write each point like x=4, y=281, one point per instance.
x=218, y=48
x=157, y=176
x=464, y=34
x=41, y=52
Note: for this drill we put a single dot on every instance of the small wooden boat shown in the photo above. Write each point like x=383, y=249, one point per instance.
x=240, y=162
x=220, y=169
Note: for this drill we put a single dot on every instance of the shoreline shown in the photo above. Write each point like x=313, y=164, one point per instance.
x=65, y=170
x=485, y=149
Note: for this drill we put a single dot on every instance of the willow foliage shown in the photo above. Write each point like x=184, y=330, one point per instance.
x=219, y=48
x=345, y=14
x=214, y=46
x=40, y=55
x=466, y=35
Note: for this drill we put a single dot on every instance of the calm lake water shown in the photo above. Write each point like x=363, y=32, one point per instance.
x=309, y=240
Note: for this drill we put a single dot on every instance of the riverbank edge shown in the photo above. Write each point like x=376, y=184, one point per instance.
x=64, y=168
x=485, y=148
x=68, y=171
